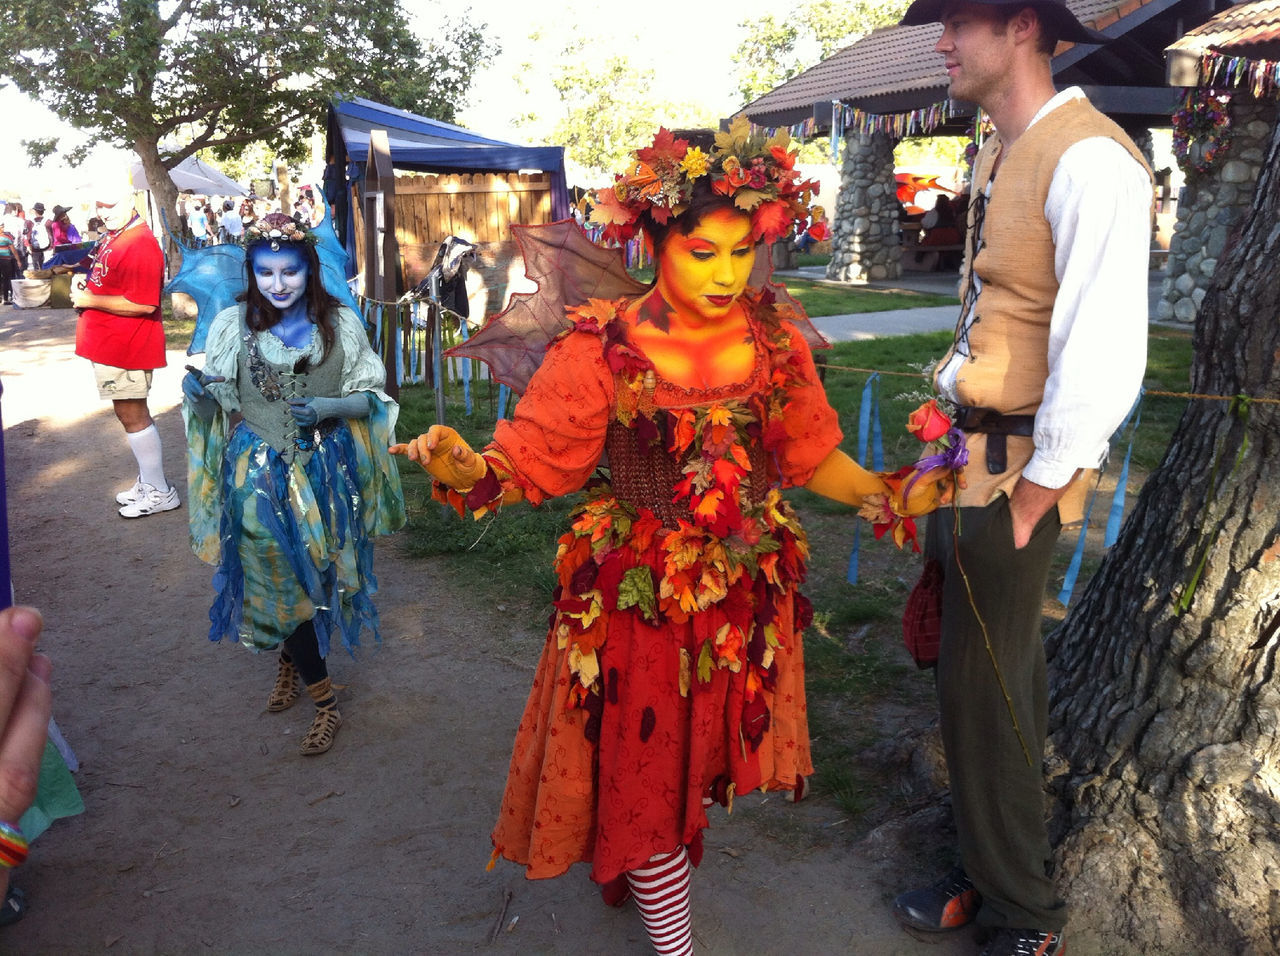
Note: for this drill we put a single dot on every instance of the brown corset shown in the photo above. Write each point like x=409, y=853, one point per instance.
x=645, y=474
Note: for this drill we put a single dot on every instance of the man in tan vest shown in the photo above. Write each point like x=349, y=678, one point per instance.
x=1048, y=357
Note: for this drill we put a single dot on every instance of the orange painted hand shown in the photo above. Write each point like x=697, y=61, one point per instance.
x=444, y=454
x=927, y=493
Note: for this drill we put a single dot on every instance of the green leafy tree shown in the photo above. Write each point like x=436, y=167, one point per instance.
x=168, y=80
x=606, y=111
x=766, y=58
x=773, y=52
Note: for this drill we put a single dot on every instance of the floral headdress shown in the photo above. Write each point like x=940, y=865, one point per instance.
x=758, y=174
x=275, y=228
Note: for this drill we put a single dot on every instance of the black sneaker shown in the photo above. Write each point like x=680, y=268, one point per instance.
x=1025, y=942
x=947, y=905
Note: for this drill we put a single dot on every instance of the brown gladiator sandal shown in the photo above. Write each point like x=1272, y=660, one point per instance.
x=325, y=724
x=285, y=694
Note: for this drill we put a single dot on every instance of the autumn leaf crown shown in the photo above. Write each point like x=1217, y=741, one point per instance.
x=756, y=172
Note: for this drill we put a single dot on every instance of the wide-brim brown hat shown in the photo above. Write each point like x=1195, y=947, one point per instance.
x=60, y=211
x=1055, y=12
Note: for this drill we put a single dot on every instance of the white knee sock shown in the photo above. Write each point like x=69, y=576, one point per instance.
x=146, y=448
x=661, y=891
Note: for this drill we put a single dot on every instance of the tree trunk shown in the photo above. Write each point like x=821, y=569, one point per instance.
x=165, y=195
x=1166, y=719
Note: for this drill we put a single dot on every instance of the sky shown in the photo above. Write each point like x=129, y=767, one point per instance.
x=670, y=30
x=661, y=35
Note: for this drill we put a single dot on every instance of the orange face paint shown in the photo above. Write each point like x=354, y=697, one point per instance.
x=702, y=274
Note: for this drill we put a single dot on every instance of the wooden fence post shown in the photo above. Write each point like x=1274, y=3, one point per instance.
x=382, y=254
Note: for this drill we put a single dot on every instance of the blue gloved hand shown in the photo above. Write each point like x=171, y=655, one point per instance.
x=304, y=411
x=309, y=412
x=193, y=388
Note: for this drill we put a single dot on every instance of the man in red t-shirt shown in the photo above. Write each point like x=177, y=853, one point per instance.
x=121, y=333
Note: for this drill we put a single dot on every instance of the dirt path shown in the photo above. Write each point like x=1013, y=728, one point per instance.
x=205, y=831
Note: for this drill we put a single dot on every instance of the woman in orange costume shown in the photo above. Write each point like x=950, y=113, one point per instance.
x=673, y=674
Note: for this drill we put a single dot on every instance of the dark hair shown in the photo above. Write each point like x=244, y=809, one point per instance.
x=260, y=314
x=1047, y=41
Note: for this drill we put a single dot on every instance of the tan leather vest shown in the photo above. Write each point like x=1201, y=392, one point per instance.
x=1008, y=342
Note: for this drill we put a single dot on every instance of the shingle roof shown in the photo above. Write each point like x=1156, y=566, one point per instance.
x=893, y=59
x=1247, y=29
x=893, y=69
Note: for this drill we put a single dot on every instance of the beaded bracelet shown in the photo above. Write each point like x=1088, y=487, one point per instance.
x=13, y=846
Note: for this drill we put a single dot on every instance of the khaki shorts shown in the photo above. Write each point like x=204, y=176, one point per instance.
x=114, y=383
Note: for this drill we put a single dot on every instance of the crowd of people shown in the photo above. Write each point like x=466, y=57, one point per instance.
x=26, y=242
x=212, y=220
x=672, y=675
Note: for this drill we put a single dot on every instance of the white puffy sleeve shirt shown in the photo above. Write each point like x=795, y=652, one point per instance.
x=1099, y=209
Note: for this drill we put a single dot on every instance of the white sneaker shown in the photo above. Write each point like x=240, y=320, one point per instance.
x=132, y=495
x=151, y=501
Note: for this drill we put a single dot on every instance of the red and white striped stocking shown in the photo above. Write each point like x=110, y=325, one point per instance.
x=661, y=891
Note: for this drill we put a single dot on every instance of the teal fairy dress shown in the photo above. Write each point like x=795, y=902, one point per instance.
x=287, y=514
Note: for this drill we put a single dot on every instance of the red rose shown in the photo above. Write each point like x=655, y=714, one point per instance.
x=928, y=422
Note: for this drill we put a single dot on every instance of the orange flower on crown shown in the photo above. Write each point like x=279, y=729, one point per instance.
x=757, y=170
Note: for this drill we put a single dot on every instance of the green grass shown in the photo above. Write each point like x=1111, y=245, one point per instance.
x=804, y=259
x=507, y=558
x=1169, y=353
x=821, y=298
x=177, y=332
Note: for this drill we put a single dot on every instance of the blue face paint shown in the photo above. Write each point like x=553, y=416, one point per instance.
x=281, y=277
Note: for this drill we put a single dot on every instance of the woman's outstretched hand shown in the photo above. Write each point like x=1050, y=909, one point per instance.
x=927, y=493
x=24, y=710
x=446, y=456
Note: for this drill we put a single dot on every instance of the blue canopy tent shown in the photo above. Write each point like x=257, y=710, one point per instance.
x=427, y=145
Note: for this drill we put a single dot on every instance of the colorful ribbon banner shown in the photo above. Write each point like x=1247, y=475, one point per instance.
x=1260, y=77
x=850, y=119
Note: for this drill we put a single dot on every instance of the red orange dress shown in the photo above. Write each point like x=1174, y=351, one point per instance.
x=674, y=668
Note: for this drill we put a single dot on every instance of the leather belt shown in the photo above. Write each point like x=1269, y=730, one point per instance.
x=996, y=427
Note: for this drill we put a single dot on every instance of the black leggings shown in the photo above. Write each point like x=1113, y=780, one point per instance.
x=303, y=649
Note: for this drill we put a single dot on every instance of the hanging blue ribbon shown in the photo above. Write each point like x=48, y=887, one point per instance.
x=503, y=393
x=1116, y=514
x=415, y=342
x=466, y=367
x=404, y=340
x=870, y=437
x=835, y=133
x=1116, y=517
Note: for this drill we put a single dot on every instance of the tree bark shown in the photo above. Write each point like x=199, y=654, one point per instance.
x=165, y=195
x=1164, y=711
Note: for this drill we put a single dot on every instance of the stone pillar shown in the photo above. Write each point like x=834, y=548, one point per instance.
x=865, y=238
x=1145, y=142
x=1210, y=208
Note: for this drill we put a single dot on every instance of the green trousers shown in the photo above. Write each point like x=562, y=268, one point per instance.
x=997, y=787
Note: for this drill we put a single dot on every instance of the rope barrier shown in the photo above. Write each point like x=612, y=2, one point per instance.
x=1149, y=391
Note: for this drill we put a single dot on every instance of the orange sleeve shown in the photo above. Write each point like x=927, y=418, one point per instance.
x=555, y=436
x=813, y=428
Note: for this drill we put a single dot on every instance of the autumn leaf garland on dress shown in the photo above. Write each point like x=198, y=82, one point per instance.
x=732, y=561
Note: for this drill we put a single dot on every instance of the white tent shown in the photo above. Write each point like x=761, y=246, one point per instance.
x=193, y=175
